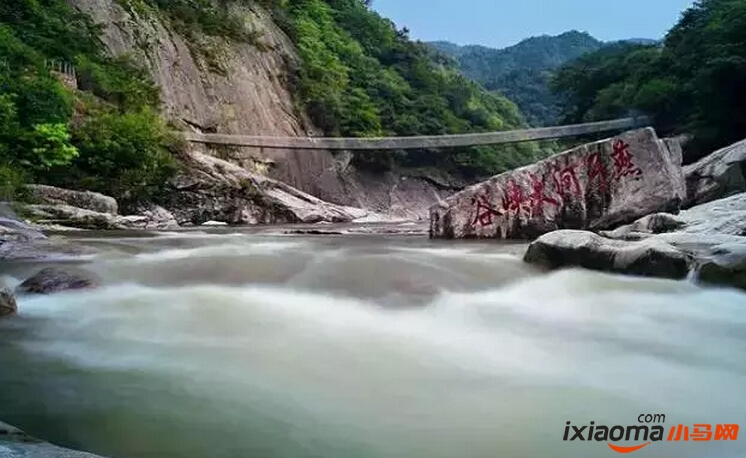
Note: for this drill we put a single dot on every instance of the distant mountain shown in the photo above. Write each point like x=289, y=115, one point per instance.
x=522, y=71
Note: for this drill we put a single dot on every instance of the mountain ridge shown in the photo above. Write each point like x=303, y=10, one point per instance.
x=522, y=71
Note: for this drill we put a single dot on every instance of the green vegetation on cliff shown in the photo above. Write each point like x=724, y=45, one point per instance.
x=693, y=83
x=361, y=76
x=101, y=129
x=106, y=136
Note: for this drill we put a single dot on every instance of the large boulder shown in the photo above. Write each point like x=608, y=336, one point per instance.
x=567, y=248
x=8, y=304
x=718, y=175
x=86, y=200
x=594, y=186
x=708, y=239
x=57, y=279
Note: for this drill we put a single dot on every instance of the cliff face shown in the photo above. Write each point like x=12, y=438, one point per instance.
x=219, y=85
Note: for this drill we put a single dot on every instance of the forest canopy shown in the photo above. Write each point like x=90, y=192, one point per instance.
x=692, y=84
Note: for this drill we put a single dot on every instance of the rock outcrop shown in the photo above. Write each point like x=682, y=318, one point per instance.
x=86, y=200
x=709, y=238
x=153, y=217
x=57, y=279
x=721, y=174
x=69, y=216
x=217, y=85
x=212, y=189
x=19, y=241
x=594, y=186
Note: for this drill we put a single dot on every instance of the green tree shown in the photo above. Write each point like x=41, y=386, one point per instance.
x=691, y=84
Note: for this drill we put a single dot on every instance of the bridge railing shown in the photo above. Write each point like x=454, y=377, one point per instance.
x=418, y=142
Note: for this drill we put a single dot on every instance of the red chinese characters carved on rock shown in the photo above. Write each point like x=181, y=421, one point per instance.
x=596, y=171
x=538, y=197
x=566, y=181
x=513, y=198
x=623, y=165
x=485, y=212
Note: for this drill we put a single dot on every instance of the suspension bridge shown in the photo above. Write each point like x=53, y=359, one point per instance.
x=418, y=142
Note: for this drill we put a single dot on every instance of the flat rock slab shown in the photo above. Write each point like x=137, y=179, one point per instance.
x=595, y=186
x=87, y=200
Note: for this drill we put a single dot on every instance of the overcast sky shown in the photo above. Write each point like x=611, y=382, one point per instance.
x=500, y=23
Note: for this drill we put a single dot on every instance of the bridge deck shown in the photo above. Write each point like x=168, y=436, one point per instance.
x=418, y=142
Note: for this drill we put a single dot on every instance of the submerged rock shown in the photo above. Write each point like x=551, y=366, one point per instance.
x=57, y=279
x=594, y=186
x=8, y=304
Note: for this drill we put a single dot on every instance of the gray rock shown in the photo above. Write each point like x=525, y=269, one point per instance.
x=211, y=189
x=66, y=215
x=12, y=229
x=14, y=443
x=8, y=304
x=41, y=250
x=710, y=237
x=157, y=217
x=594, y=186
x=718, y=175
x=572, y=248
x=80, y=218
x=57, y=279
x=19, y=241
x=723, y=265
x=722, y=217
x=86, y=200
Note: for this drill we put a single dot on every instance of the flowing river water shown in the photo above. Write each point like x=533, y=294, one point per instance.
x=255, y=343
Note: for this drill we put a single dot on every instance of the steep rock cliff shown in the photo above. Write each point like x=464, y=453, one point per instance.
x=220, y=85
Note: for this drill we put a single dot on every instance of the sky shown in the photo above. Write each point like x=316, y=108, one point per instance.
x=500, y=23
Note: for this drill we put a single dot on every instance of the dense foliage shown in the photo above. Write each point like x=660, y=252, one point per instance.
x=106, y=138
x=693, y=83
x=361, y=76
x=522, y=72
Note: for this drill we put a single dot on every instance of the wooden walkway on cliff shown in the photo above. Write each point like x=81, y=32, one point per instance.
x=418, y=142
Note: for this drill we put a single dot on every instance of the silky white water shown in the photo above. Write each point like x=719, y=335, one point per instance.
x=257, y=345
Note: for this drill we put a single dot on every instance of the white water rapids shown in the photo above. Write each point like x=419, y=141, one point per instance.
x=255, y=345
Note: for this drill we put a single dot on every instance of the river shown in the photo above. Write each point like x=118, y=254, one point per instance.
x=254, y=343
